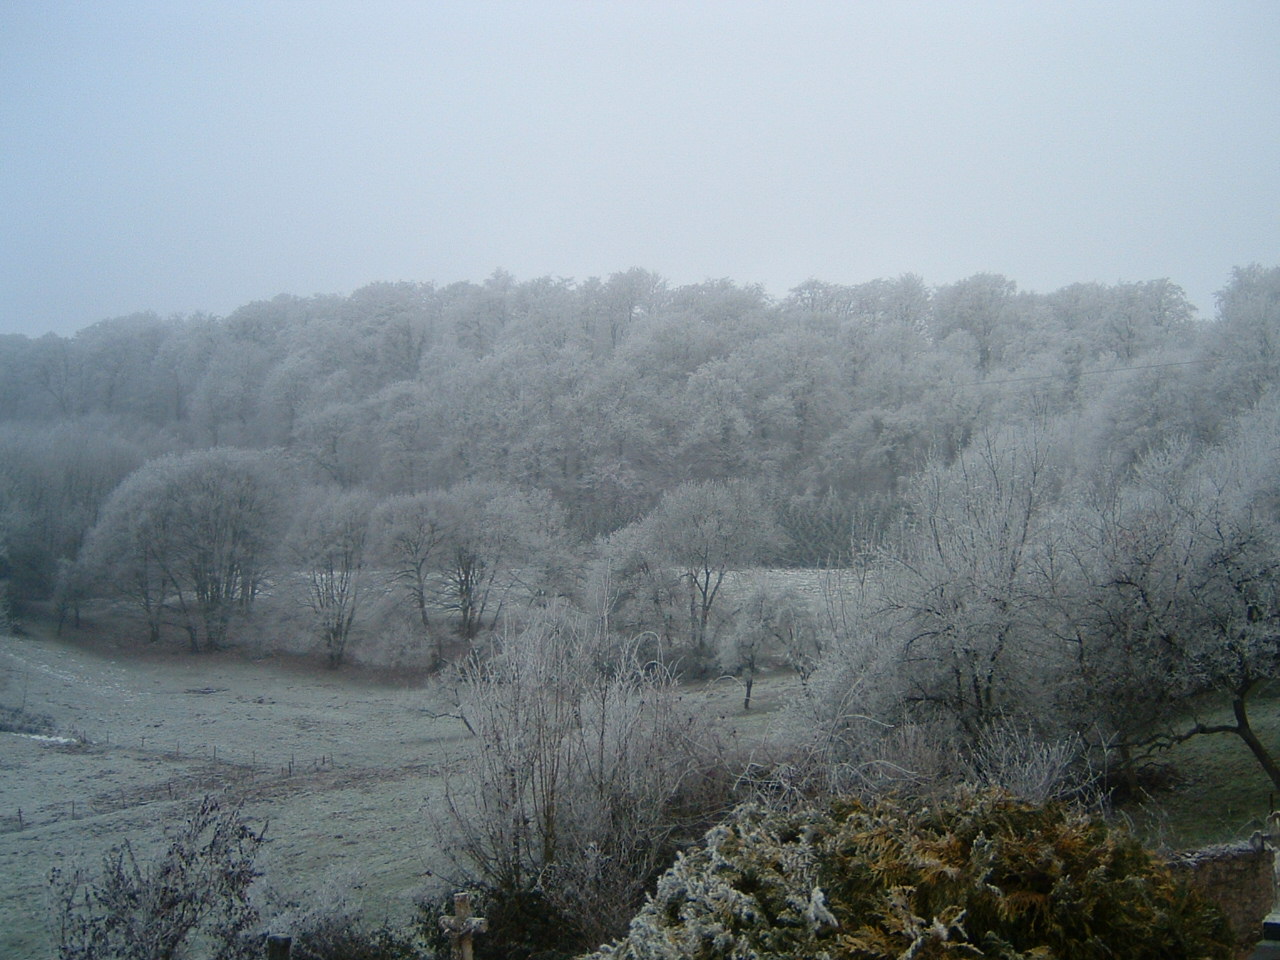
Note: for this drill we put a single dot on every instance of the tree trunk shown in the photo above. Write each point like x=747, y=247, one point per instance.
x=1241, y=728
x=1128, y=773
x=1245, y=732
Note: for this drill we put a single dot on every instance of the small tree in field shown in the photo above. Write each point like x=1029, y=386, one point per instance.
x=769, y=621
x=701, y=531
x=152, y=911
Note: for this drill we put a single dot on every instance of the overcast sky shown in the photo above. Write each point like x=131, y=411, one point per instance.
x=184, y=156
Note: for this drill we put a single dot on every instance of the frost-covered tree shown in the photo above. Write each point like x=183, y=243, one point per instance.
x=58, y=477
x=327, y=550
x=963, y=581
x=195, y=533
x=1245, y=342
x=769, y=623
x=983, y=306
x=120, y=556
x=1183, y=609
x=501, y=544
x=411, y=532
x=696, y=534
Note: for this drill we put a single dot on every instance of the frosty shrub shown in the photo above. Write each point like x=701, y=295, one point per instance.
x=975, y=875
x=585, y=780
x=345, y=938
x=1012, y=758
x=844, y=734
x=197, y=889
x=324, y=920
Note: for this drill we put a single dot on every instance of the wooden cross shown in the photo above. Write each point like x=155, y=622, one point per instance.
x=462, y=926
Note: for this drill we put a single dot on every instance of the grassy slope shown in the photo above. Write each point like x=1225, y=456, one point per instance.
x=1219, y=793
x=363, y=814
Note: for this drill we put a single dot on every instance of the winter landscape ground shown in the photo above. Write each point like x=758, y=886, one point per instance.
x=344, y=766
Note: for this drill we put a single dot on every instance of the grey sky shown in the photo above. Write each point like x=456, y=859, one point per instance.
x=182, y=156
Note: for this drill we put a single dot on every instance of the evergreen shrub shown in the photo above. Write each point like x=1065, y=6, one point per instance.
x=974, y=875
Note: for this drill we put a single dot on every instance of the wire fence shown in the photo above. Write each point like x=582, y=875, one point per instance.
x=208, y=769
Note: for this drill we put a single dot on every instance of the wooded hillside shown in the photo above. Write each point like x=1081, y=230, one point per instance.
x=605, y=394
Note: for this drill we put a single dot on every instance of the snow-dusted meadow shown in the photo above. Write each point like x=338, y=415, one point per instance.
x=342, y=769
x=346, y=766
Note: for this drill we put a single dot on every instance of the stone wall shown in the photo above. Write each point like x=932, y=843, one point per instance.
x=1240, y=878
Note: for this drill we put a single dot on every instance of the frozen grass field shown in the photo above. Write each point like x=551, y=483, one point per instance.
x=344, y=765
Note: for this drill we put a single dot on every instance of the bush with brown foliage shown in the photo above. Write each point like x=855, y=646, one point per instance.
x=977, y=875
